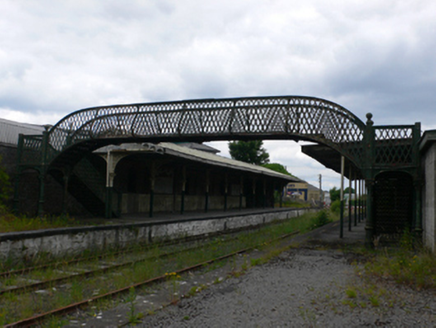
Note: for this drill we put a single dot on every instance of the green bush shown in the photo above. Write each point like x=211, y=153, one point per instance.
x=335, y=207
x=321, y=219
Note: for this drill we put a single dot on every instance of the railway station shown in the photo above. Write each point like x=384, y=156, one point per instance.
x=393, y=163
x=144, y=169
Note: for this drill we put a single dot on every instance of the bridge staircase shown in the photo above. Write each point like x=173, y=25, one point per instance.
x=86, y=182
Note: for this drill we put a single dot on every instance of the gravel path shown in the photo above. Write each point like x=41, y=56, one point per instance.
x=302, y=287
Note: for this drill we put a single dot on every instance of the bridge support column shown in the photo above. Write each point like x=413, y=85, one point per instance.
x=355, y=201
x=341, y=231
x=365, y=201
x=417, y=213
x=361, y=201
x=42, y=173
x=370, y=224
x=349, y=201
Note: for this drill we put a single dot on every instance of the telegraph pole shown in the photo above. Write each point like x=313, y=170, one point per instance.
x=321, y=193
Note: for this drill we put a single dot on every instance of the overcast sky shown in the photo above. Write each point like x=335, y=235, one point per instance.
x=375, y=56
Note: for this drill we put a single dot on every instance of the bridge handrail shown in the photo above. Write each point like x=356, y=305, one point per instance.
x=80, y=124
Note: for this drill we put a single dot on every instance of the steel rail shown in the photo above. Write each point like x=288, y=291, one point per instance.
x=60, y=311
x=78, y=260
x=132, y=249
x=45, y=283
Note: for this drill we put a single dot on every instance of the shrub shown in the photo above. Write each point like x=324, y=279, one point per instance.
x=335, y=207
x=321, y=219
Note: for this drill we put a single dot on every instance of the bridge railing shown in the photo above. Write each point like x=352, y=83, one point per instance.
x=213, y=119
x=395, y=145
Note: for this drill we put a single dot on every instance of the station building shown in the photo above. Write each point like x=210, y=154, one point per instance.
x=143, y=179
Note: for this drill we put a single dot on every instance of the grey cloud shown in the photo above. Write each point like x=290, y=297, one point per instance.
x=367, y=56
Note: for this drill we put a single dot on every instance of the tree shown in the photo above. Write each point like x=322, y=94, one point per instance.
x=277, y=167
x=347, y=190
x=335, y=194
x=249, y=151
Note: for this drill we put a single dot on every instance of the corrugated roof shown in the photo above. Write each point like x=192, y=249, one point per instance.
x=10, y=130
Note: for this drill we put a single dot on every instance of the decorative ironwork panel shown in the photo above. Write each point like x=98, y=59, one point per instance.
x=217, y=119
x=394, y=145
x=393, y=203
x=31, y=152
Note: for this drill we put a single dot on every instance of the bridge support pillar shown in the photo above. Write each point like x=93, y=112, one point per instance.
x=42, y=173
x=417, y=213
x=370, y=224
x=355, y=201
x=341, y=225
x=349, y=201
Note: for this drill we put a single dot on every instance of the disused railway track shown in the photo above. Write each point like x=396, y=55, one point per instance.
x=126, y=250
x=104, y=267
x=33, y=320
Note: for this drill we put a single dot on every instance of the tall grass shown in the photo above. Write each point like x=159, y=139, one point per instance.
x=10, y=222
x=406, y=264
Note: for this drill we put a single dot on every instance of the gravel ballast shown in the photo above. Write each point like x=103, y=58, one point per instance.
x=300, y=288
x=313, y=284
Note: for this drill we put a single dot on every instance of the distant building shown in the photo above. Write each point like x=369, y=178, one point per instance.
x=303, y=191
x=327, y=200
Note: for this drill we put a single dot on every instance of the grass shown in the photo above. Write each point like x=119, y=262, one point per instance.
x=409, y=264
x=14, y=223
x=292, y=204
x=11, y=223
x=415, y=269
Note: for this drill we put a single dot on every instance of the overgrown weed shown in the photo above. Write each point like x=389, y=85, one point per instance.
x=409, y=265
